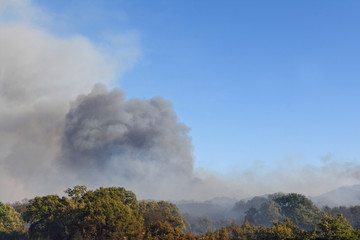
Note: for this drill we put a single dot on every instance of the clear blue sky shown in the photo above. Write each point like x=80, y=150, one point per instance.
x=256, y=81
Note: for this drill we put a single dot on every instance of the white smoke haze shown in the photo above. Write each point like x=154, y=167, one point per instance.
x=23, y=11
x=40, y=74
x=139, y=140
x=60, y=125
x=48, y=144
x=295, y=176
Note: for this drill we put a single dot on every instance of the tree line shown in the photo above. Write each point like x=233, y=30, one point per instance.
x=115, y=213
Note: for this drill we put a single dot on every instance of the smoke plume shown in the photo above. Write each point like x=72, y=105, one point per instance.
x=54, y=134
x=40, y=74
x=139, y=141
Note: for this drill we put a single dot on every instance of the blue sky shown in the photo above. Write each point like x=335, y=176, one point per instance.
x=258, y=82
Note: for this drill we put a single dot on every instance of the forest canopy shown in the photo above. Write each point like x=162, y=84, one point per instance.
x=115, y=213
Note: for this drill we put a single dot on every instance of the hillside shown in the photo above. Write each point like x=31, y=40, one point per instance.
x=342, y=196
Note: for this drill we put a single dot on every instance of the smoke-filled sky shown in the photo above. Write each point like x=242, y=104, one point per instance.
x=179, y=99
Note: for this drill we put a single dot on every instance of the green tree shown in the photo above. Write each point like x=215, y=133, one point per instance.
x=245, y=231
x=11, y=226
x=336, y=229
x=299, y=209
x=110, y=213
x=222, y=234
x=268, y=213
x=162, y=230
x=241, y=207
x=352, y=214
x=285, y=230
x=76, y=193
x=106, y=213
x=50, y=217
x=162, y=211
x=20, y=207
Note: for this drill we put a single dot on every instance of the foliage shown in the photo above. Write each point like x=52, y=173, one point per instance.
x=352, y=214
x=50, y=217
x=336, y=229
x=11, y=226
x=162, y=230
x=161, y=211
x=76, y=193
x=106, y=213
x=328, y=229
x=20, y=207
x=240, y=232
x=114, y=213
x=299, y=209
x=241, y=207
x=285, y=230
x=110, y=213
x=201, y=225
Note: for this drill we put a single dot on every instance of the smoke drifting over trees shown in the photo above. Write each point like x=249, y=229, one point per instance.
x=40, y=74
x=38, y=77
x=55, y=130
x=101, y=139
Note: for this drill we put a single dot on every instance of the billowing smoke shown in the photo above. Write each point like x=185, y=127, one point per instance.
x=55, y=134
x=138, y=142
x=39, y=75
x=102, y=129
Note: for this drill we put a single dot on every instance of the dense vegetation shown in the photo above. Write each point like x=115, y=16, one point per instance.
x=115, y=213
x=300, y=210
x=11, y=226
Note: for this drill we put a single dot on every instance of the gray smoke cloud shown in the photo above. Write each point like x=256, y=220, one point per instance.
x=139, y=141
x=54, y=134
x=40, y=74
x=102, y=128
x=135, y=143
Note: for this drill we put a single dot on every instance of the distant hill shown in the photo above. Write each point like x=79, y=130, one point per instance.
x=343, y=196
x=224, y=207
